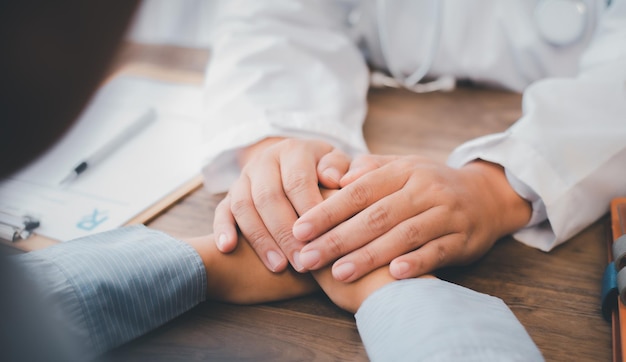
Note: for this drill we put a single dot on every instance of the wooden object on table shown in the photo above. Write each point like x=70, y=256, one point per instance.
x=610, y=298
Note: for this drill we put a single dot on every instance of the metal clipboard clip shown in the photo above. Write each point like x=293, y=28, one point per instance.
x=14, y=228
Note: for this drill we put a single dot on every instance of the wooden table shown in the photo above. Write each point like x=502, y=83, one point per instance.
x=555, y=295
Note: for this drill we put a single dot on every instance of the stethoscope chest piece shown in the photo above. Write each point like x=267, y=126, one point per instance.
x=561, y=22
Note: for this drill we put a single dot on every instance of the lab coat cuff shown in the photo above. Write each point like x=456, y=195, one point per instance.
x=526, y=182
x=539, y=213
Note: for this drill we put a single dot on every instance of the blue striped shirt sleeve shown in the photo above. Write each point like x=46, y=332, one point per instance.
x=433, y=320
x=109, y=288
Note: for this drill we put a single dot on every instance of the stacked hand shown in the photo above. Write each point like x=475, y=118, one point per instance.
x=417, y=214
x=407, y=211
x=279, y=181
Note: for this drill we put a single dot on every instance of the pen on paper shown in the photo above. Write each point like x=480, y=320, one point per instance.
x=110, y=146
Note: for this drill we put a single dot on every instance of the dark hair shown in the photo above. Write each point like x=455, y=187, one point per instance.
x=54, y=55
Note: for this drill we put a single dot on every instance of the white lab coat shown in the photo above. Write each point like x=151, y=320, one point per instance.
x=298, y=68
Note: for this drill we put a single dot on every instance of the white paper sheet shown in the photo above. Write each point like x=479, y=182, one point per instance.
x=155, y=162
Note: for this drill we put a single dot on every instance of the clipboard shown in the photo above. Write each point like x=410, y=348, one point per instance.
x=179, y=108
x=614, y=279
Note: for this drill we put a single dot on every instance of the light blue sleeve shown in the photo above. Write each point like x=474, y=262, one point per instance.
x=106, y=289
x=433, y=320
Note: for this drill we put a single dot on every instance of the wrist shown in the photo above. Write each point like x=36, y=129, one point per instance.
x=350, y=296
x=510, y=211
x=203, y=245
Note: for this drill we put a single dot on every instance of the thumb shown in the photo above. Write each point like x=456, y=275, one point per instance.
x=332, y=167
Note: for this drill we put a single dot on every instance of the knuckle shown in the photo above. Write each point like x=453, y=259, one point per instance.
x=378, y=219
x=265, y=196
x=361, y=195
x=283, y=236
x=369, y=257
x=240, y=206
x=410, y=234
x=335, y=244
x=442, y=254
x=257, y=239
x=295, y=182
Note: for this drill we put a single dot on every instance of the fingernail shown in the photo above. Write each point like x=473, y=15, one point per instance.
x=296, y=260
x=343, y=271
x=309, y=259
x=274, y=259
x=302, y=231
x=332, y=174
x=399, y=269
x=221, y=241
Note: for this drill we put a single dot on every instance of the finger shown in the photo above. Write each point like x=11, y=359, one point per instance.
x=299, y=175
x=353, y=234
x=363, y=164
x=224, y=227
x=277, y=212
x=332, y=167
x=434, y=255
x=345, y=203
x=405, y=237
x=253, y=229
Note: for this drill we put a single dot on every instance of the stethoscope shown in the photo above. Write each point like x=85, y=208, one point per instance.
x=570, y=28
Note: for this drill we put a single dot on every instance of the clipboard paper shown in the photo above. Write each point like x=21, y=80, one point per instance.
x=139, y=179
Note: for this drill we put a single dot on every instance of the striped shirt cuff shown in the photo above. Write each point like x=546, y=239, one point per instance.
x=108, y=288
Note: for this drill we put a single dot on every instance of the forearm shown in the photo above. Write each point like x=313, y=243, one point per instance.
x=240, y=277
x=350, y=296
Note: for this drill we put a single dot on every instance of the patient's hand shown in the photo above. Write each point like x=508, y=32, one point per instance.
x=240, y=277
x=350, y=296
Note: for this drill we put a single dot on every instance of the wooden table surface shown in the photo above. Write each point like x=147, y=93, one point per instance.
x=555, y=295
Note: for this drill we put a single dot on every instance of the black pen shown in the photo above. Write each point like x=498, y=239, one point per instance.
x=112, y=145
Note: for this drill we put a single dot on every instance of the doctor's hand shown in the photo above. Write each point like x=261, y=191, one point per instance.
x=279, y=181
x=409, y=211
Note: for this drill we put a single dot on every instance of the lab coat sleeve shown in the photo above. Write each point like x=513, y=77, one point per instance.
x=281, y=68
x=106, y=289
x=433, y=320
x=567, y=154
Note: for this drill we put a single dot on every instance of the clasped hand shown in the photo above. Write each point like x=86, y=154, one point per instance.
x=413, y=213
